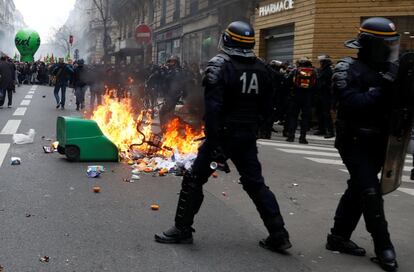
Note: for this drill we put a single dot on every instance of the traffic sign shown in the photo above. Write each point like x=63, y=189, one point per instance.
x=143, y=34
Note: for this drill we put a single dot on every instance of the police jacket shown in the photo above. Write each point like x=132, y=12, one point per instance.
x=238, y=94
x=362, y=96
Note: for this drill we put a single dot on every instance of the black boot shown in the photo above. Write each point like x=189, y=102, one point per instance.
x=189, y=203
x=337, y=243
x=302, y=140
x=277, y=242
x=386, y=259
x=329, y=135
x=373, y=210
x=175, y=236
x=412, y=174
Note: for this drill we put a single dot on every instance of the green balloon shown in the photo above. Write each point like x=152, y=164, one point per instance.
x=27, y=42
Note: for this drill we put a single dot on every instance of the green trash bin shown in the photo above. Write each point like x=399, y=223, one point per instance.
x=82, y=140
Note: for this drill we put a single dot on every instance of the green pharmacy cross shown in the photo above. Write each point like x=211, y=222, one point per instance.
x=27, y=42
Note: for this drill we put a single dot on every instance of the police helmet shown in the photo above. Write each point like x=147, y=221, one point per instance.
x=238, y=39
x=304, y=62
x=173, y=61
x=377, y=37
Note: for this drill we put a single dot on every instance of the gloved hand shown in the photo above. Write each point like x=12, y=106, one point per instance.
x=217, y=154
x=390, y=76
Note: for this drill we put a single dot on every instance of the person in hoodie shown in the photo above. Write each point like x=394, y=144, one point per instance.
x=62, y=73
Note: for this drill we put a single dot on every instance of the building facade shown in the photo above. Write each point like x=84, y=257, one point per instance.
x=290, y=29
x=11, y=21
x=190, y=29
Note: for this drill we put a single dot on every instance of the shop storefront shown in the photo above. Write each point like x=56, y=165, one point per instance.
x=287, y=30
x=168, y=43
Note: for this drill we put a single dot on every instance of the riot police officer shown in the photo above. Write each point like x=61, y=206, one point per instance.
x=363, y=89
x=238, y=95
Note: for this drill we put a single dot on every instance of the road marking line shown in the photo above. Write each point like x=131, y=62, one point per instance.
x=325, y=161
x=277, y=144
x=308, y=152
x=20, y=112
x=407, y=191
x=33, y=88
x=31, y=92
x=405, y=179
x=3, y=152
x=29, y=96
x=11, y=127
x=25, y=103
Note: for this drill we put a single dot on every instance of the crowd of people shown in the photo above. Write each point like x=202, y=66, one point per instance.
x=300, y=89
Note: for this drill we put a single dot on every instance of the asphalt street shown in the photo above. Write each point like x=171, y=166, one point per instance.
x=47, y=208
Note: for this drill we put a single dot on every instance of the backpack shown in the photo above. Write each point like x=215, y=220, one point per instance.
x=304, y=78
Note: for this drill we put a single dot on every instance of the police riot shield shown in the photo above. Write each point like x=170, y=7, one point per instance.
x=401, y=123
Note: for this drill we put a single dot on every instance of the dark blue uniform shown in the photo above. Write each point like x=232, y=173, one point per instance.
x=361, y=140
x=238, y=96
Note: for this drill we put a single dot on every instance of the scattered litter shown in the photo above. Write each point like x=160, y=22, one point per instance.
x=163, y=172
x=15, y=161
x=214, y=175
x=43, y=137
x=97, y=168
x=96, y=189
x=44, y=259
x=67, y=234
x=48, y=149
x=44, y=96
x=135, y=172
x=48, y=139
x=28, y=215
x=93, y=174
x=155, y=207
x=55, y=145
x=135, y=177
x=71, y=188
x=224, y=193
x=313, y=261
x=295, y=184
x=24, y=138
x=126, y=180
x=291, y=213
x=320, y=257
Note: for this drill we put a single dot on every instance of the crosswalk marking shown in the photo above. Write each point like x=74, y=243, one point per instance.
x=20, y=112
x=313, y=147
x=309, y=152
x=3, y=152
x=11, y=127
x=325, y=161
x=407, y=191
x=29, y=96
x=330, y=156
x=31, y=92
x=25, y=103
x=34, y=88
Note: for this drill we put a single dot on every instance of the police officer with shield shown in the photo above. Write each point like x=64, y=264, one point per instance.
x=238, y=97
x=363, y=87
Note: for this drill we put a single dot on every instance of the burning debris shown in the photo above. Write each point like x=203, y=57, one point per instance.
x=140, y=141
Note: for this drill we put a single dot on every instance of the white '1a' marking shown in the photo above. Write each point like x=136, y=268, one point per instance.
x=253, y=86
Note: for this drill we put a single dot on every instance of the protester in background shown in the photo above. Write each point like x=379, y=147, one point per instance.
x=324, y=98
x=79, y=82
x=63, y=73
x=7, y=77
x=304, y=81
x=97, y=86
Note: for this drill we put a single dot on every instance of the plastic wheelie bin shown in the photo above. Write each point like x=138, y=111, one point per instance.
x=82, y=140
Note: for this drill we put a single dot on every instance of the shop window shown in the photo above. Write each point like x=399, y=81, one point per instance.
x=193, y=6
x=280, y=43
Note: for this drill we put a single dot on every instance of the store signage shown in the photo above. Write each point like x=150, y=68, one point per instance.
x=276, y=7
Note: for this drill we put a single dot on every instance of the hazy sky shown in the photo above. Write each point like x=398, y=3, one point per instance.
x=42, y=15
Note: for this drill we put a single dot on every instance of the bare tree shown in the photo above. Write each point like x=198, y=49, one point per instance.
x=61, y=38
x=103, y=10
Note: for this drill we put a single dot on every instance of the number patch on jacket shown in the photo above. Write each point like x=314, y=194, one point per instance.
x=250, y=83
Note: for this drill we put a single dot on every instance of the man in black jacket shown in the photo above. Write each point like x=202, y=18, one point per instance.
x=79, y=82
x=238, y=97
x=7, y=81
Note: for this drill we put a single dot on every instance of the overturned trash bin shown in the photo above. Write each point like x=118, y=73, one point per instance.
x=82, y=140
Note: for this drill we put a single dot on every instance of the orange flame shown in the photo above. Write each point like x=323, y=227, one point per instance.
x=118, y=122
